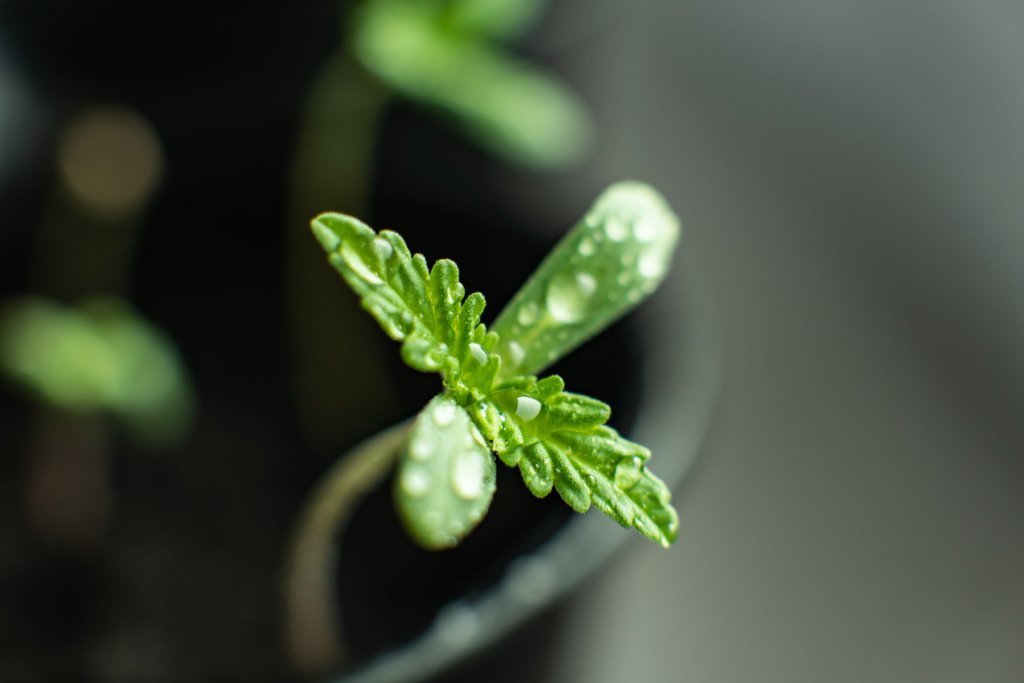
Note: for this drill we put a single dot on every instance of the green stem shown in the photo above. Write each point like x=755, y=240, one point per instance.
x=315, y=638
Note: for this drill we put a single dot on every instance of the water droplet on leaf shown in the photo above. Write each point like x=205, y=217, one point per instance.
x=478, y=353
x=516, y=353
x=645, y=230
x=586, y=282
x=355, y=262
x=567, y=296
x=627, y=472
x=415, y=481
x=468, y=475
x=653, y=263
x=383, y=248
x=528, y=314
x=421, y=449
x=444, y=413
x=616, y=228
x=527, y=407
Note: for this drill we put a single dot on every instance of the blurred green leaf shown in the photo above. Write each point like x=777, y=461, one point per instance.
x=522, y=112
x=501, y=19
x=100, y=356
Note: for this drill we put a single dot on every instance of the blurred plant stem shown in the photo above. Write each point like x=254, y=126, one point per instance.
x=313, y=629
x=332, y=170
x=108, y=163
x=69, y=496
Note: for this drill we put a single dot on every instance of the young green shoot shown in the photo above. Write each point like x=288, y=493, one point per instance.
x=493, y=401
x=451, y=55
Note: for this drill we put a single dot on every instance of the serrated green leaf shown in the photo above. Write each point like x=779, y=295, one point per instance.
x=423, y=309
x=615, y=257
x=519, y=111
x=560, y=441
x=446, y=477
x=98, y=356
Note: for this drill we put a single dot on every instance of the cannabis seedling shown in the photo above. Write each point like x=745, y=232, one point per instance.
x=493, y=402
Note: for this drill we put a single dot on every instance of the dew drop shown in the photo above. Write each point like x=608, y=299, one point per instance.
x=355, y=262
x=652, y=263
x=567, y=299
x=586, y=283
x=645, y=230
x=444, y=413
x=422, y=449
x=415, y=481
x=527, y=407
x=468, y=476
x=616, y=228
x=478, y=353
x=528, y=314
x=623, y=279
x=516, y=353
x=627, y=472
x=383, y=248
x=587, y=248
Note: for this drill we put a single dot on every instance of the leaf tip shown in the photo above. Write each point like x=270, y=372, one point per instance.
x=331, y=229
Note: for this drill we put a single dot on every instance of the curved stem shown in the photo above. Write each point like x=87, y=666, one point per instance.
x=313, y=631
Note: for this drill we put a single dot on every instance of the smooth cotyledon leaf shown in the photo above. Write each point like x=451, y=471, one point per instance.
x=424, y=308
x=616, y=256
x=559, y=441
x=446, y=476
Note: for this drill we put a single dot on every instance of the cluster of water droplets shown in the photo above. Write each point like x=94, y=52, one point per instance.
x=608, y=263
x=467, y=470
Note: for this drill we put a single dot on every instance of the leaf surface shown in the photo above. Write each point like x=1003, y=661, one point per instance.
x=446, y=476
x=614, y=257
x=559, y=441
x=424, y=308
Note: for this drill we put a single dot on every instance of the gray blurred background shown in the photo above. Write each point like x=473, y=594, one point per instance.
x=850, y=174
